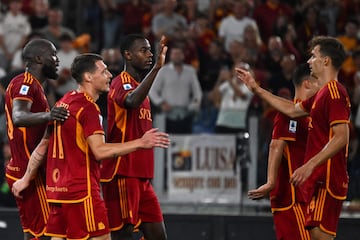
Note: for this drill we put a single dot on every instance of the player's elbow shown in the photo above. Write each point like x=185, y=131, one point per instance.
x=18, y=120
x=133, y=101
x=275, y=145
x=99, y=153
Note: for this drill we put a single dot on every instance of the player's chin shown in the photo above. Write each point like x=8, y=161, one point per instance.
x=52, y=75
x=106, y=89
x=148, y=66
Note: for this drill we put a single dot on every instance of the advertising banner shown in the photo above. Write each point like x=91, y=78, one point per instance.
x=203, y=169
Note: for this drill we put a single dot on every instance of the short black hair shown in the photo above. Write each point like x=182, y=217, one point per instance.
x=84, y=63
x=301, y=73
x=128, y=41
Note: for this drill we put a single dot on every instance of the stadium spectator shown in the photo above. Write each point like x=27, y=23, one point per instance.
x=55, y=29
x=177, y=92
x=14, y=29
x=233, y=26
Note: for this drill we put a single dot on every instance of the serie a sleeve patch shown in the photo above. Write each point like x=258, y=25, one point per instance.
x=292, y=126
x=24, y=89
x=127, y=86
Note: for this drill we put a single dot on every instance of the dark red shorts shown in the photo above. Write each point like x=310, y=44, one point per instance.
x=323, y=211
x=289, y=224
x=78, y=220
x=130, y=200
x=33, y=207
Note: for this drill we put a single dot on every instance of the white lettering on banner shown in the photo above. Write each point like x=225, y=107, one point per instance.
x=203, y=168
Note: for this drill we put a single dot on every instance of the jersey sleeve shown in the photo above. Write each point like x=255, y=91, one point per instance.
x=306, y=105
x=24, y=91
x=90, y=125
x=284, y=128
x=123, y=87
x=339, y=105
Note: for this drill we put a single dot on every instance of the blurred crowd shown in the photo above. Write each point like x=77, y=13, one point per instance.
x=209, y=38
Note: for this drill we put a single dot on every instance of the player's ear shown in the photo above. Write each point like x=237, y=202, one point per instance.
x=326, y=61
x=87, y=76
x=127, y=55
x=38, y=59
x=307, y=83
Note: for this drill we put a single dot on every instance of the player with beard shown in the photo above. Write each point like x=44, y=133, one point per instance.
x=128, y=193
x=74, y=149
x=27, y=115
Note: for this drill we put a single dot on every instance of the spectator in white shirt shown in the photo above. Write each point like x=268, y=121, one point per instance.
x=14, y=29
x=167, y=21
x=235, y=99
x=177, y=92
x=233, y=26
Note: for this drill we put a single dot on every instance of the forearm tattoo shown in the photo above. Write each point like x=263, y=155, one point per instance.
x=35, y=162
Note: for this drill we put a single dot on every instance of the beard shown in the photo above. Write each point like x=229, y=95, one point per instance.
x=50, y=72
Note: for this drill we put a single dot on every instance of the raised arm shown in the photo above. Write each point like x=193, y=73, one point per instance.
x=283, y=105
x=135, y=98
x=150, y=139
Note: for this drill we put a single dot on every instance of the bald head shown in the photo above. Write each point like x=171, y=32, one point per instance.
x=40, y=59
x=37, y=47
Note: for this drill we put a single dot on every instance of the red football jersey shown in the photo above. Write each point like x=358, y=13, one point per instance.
x=23, y=140
x=72, y=170
x=125, y=124
x=294, y=132
x=330, y=106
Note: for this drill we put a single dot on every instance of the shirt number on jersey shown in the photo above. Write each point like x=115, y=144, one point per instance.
x=58, y=149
